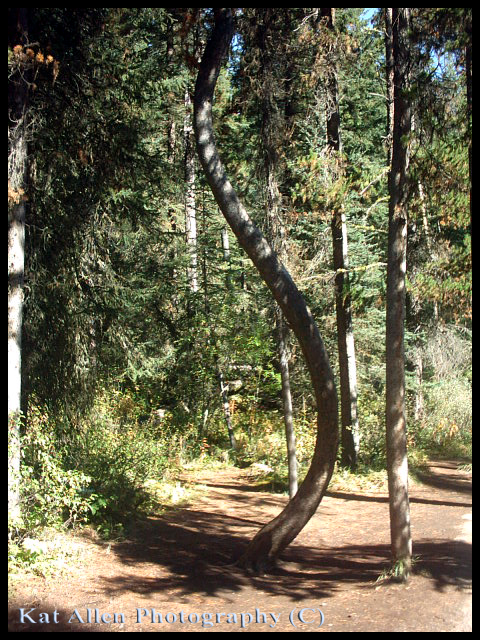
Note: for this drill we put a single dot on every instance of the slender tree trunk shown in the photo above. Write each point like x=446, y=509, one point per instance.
x=272, y=138
x=223, y=386
x=343, y=302
x=226, y=408
x=275, y=536
x=346, y=344
x=281, y=331
x=17, y=186
x=419, y=402
x=226, y=257
x=426, y=227
x=397, y=462
x=190, y=204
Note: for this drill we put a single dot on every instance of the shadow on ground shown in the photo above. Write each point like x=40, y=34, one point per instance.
x=446, y=478
x=191, y=552
x=195, y=552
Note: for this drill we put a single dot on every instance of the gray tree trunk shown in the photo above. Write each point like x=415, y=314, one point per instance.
x=226, y=408
x=17, y=186
x=226, y=257
x=272, y=539
x=281, y=331
x=397, y=463
x=223, y=386
x=346, y=344
x=343, y=301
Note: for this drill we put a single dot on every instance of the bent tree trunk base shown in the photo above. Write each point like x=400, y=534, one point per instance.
x=275, y=536
x=263, y=551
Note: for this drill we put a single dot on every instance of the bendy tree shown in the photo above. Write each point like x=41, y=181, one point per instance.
x=276, y=535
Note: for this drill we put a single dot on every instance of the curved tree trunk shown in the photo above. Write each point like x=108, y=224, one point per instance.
x=279, y=533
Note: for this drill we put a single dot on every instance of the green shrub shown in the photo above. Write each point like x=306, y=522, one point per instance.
x=371, y=411
x=446, y=427
x=50, y=494
x=119, y=456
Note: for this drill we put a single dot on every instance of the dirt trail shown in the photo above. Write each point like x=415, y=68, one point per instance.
x=173, y=573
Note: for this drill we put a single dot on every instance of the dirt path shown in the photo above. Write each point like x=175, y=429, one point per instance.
x=174, y=569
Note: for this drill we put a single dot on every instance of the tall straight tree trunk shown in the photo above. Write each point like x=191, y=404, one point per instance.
x=272, y=139
x=343, y=301
x=397, y=463
x=275, y=536
x=346, y=344
x=226, y=407
x=226, y=257
x=17, y=186
x=224, y=387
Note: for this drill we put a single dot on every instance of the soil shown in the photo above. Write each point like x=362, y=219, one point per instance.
x=174, y=572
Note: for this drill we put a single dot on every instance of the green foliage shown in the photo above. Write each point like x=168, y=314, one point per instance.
x=399, y=571
x=449, y=416
x=119, y=456
x=260, y=437
x=50, y=494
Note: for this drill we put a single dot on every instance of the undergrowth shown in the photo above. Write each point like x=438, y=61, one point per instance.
x=116, y=465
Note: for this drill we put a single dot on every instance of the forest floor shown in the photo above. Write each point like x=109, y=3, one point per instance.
x=177, y=568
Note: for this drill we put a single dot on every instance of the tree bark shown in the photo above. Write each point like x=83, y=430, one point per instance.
x=343, y=301
x=397, y=463
x=346, y=344
x=17, y=186
x=281, y=331
x=226, y=408
x=275, y=536
x=226, y=258
x=223, y=386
